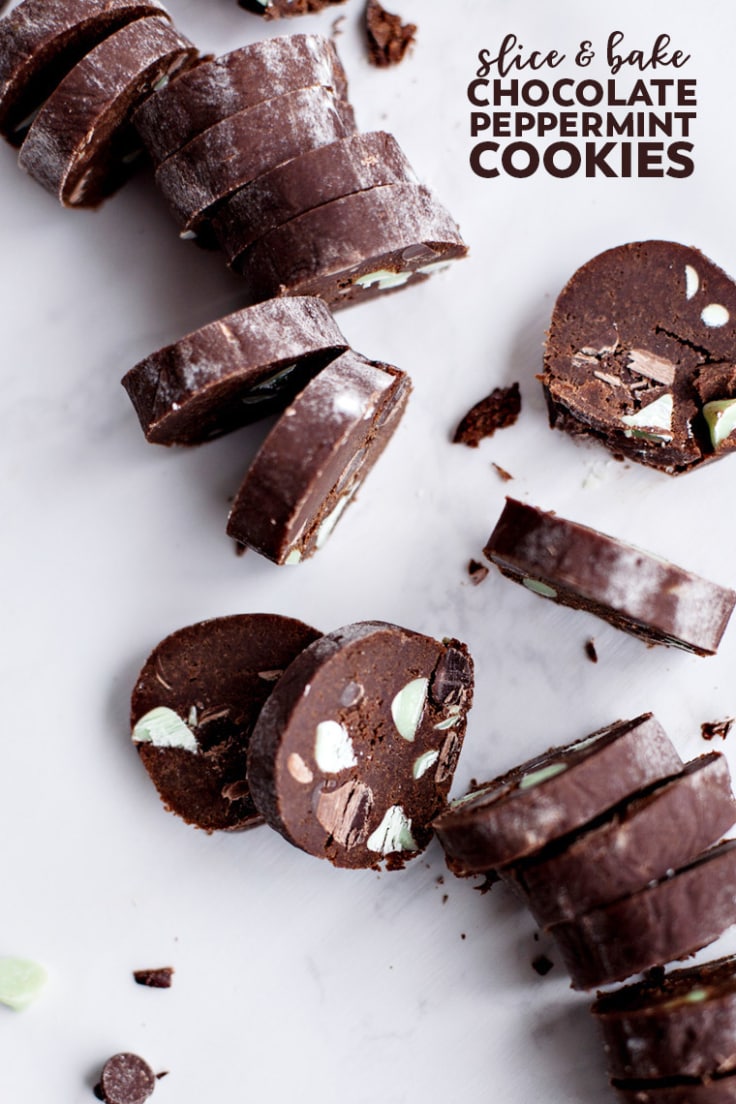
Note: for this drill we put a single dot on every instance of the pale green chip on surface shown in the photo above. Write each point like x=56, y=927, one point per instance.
x=21, y=981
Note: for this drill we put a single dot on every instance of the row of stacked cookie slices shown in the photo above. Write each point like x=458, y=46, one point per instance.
x=236, y=145
x=609, y=842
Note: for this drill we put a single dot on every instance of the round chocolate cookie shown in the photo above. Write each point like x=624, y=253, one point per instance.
x=719, y=1090
x=230, y=154
x=637, y=842
x=669, y=919
x=42, y=40
x=351, y=165
x=355, y=248
x=126, y=1079
x=633, y=590
x=354, y=752
x=194, y=707
x=519, y=813
x=81, y=145
x=233, y=371
x=683, y=1025
x=277, y=9
x=313, y=461
x=641, y=344
x=223, y=86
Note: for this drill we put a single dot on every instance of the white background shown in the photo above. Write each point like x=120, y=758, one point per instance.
x=295, y=981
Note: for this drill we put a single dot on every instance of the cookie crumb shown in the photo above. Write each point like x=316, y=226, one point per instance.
x=337, y=26
x=477, y=572
x=542, y=964
x=240, y=549
x=502, y=473
x=710, y=729
x=445, y=898
x=160, y=978
x=388, y=38
x=590, y=651
x=498, y=410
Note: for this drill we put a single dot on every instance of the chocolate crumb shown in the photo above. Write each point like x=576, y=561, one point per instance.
x=477, y=572
x=440, y=879
x=445, y=898
x=542, y=964
x=536, y=937
x=462, y=935
x=502, y=473
x=240, y=549
x=709, y=729
x=163, y=1073
x=97, y=1090
x=590, y=651
x=337, y=24
x=655, y=975
x=388, y=37
x=496, y=411
x=160, y=978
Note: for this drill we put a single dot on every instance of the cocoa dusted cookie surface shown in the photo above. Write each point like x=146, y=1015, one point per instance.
x=353, y=164
x=277, y=9
x=223, y=86
x=355, y=248
x=520, y=812
x=669, y=919
x=641, y=355
x=316, y=457
x=194, y=706
x=240, y=148
x=42, y=40
x=233, y=371
x=80, y=145
x=653, y=831
x=683, y=1025
x=354, y=752
x=634, y=590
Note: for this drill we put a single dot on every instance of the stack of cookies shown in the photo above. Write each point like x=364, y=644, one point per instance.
x=257, y=152
x=612, y=844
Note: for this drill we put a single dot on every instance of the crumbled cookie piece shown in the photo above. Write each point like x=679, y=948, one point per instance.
x=159, y=978
x=496, y=411
x=710, y=729
x=590, y=651
x=502, y=473
x=477, y=572
x=388, y=38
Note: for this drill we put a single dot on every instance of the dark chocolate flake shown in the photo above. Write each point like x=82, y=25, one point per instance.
x=452, y=678
x=710, y=729
x=477, y=572
x=502, y=473
x=496, y=411
x=590, y=651
x=160, y=978
x=388, y=38
x=542, y=964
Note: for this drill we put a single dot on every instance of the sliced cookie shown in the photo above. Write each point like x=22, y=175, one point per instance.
x=520, y=812
x=655, y=831
x=233, y=371
x=194, y=706
x=635, y=335
x=634, y=590
x=42, y=40
x=317, y=455
x=355, y=750
x=235, y=151
x=669, y=919
x=223, y=86
x=80, y=145
x=356, y=247
x=278, y=9
x=351, y=165
x=683, y=1025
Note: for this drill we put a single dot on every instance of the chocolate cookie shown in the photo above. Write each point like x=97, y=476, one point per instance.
x=351, y=165
x=223, y=86
x=355, y=247
x=683, y=1025
x=642, y=342
x=669, y=919
x=310, y=466
x=233, y=371
x=80, y=144
x=194, y=707
x=388, y=38
x=634, y=590
x=277, y=9
x=355, y=750
x=678, y=1091
x=42, y=40
x=520, y=812
x=235, y=151
x=635, y=843
x=126, y=1079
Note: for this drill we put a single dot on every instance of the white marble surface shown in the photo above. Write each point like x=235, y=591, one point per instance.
x=294, y=980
